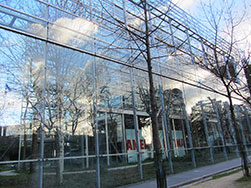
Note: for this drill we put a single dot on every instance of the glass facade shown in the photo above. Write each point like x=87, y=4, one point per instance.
x=75, y=100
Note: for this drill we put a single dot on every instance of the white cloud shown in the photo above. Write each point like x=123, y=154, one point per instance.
x=243, y=34
x=38, y=29
x=66, y=30
x=187, y=5
x=134, y=21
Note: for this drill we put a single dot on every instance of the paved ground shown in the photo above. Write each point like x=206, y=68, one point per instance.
x=8, y=173
x=177, y=180
x=229, y=181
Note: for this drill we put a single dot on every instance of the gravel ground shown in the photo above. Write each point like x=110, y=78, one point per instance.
x=225, y=182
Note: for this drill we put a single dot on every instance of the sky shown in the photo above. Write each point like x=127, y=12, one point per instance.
x=242, y=31
x=188, y=5
x=240, y=8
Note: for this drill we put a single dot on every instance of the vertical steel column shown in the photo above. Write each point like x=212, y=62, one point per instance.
x=135, y=120
x=214, y=103
x=175, y=136
x=82, y=151
x=136, y=127
x=186, y=117
x=164, y=138
x=248, y=122
x=96, y=128
x=96, y=134
x=247, y=118
x=183, y=132
x=21, y=123
x=172, y=37
x=19, y=150
x=232, y=128
x=241, y=127
x=107, y=140
x=41, y=149
x=166, y=131
x=188, y=38
x=163, y=110
x=206, y=132
x=124, y=136
x=190, y=140
x=87, y=151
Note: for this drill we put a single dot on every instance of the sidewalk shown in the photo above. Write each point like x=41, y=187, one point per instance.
x=191, y=176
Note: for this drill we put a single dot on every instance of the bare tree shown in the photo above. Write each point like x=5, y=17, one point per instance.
x=223, y=60
x=139, y=31
x=67, y=91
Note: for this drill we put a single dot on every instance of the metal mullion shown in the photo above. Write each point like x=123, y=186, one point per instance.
x=46, y=20
x=22, y=13
x=165, y=130
x=186, y=117
x=107, y=140
x=87, y=151
x=100, y=56
x=183, y=132
x=176, y=21
x=190, y=47
x=190, y=139
x=41, y=149
x=189, y=41
x=56, y=7
x=82, y=150
x=96, y=128
x=204, y=53
x=124, y=135
x=183, y=24
x=172, y=38
x=135, y=120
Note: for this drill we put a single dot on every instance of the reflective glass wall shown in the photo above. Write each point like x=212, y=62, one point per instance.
x=75, y=100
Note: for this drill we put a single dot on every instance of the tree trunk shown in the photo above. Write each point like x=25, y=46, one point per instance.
x=238, y=136
x=160, y=173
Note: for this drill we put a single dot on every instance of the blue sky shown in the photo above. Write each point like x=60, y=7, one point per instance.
x=239, y=8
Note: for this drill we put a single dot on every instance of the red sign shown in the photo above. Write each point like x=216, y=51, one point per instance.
x=131, y=144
